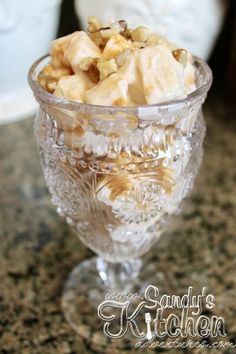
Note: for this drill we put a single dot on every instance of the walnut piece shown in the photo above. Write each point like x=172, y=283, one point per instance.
x=93, y=73
x=106, y=68
x=106, y=32
x=48, y=82
x=119, y=26
x=181, y=55
x=86, y=62
x=93, y=24
x=140, y=34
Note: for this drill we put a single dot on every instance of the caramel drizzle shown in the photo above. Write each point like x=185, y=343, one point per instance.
x=122, y=183
x=118, y=184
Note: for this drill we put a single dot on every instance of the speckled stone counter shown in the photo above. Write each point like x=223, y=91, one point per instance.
x=38, y=249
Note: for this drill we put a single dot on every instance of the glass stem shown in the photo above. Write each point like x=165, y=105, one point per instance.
x=119, y=276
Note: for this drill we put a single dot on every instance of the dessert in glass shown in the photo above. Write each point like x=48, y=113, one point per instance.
x=120, y=133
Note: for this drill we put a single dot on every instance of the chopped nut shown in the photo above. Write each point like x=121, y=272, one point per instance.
x=93, y=24
x=127, y=34
x=123, y=24
x=106, y=68
x=181, y=55
x=51, y=84
x=119, y=26
x=121, y=58
x=47, y=82
x=93, y=72
x=89, y=66
x=98, y=39
x=50, y=72
x=140, y=34
x=104, y=28
x=62, y=71
x=106, y=32
x=48, y=69
x=116, y=45
x=57, y=72
x=86, y=62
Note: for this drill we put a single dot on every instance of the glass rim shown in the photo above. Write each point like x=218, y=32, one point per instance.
x=61, y=102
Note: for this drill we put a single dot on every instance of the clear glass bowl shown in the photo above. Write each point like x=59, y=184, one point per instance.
x=116, y=174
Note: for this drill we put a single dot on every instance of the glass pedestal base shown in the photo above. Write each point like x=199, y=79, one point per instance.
x=93, y=281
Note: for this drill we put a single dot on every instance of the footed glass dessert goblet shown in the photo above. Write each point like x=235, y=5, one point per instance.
x=116, y=174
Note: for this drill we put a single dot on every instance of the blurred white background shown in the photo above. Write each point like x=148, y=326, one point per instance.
x=26, y=30
x=191, y=24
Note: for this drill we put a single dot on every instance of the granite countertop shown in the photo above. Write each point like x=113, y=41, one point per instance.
x=38, y=249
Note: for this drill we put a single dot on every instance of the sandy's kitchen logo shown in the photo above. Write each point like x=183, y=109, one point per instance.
x=157, y=316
